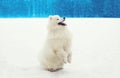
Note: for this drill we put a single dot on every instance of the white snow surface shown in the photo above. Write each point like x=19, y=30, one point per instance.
x=96, y=48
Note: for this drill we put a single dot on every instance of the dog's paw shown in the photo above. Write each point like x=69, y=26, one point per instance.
x=69, y=58
x=53, y=70
x=65, y=60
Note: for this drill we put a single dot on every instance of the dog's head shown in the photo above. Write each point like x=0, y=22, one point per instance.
x=57, y=20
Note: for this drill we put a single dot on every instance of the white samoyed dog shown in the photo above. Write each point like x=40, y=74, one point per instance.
x=57, y=49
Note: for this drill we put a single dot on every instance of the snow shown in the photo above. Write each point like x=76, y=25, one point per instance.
x=96, y=48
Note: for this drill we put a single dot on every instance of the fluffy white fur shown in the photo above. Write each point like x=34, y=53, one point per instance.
x=57, y=49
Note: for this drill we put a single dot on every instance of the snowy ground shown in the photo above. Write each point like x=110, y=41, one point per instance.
x=96, y=48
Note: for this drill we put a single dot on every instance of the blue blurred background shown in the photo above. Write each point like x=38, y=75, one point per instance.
x=68, y=8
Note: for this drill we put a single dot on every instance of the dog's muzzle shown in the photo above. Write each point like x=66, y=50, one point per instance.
x=62, y=23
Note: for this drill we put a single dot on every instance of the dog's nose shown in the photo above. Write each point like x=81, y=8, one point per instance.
x=64, y=18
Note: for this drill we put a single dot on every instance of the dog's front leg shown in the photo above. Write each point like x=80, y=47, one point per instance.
x=69, y=54
x=69, y=58
x=62, y=55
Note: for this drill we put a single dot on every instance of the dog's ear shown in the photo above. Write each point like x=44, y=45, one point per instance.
x=50, y=17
